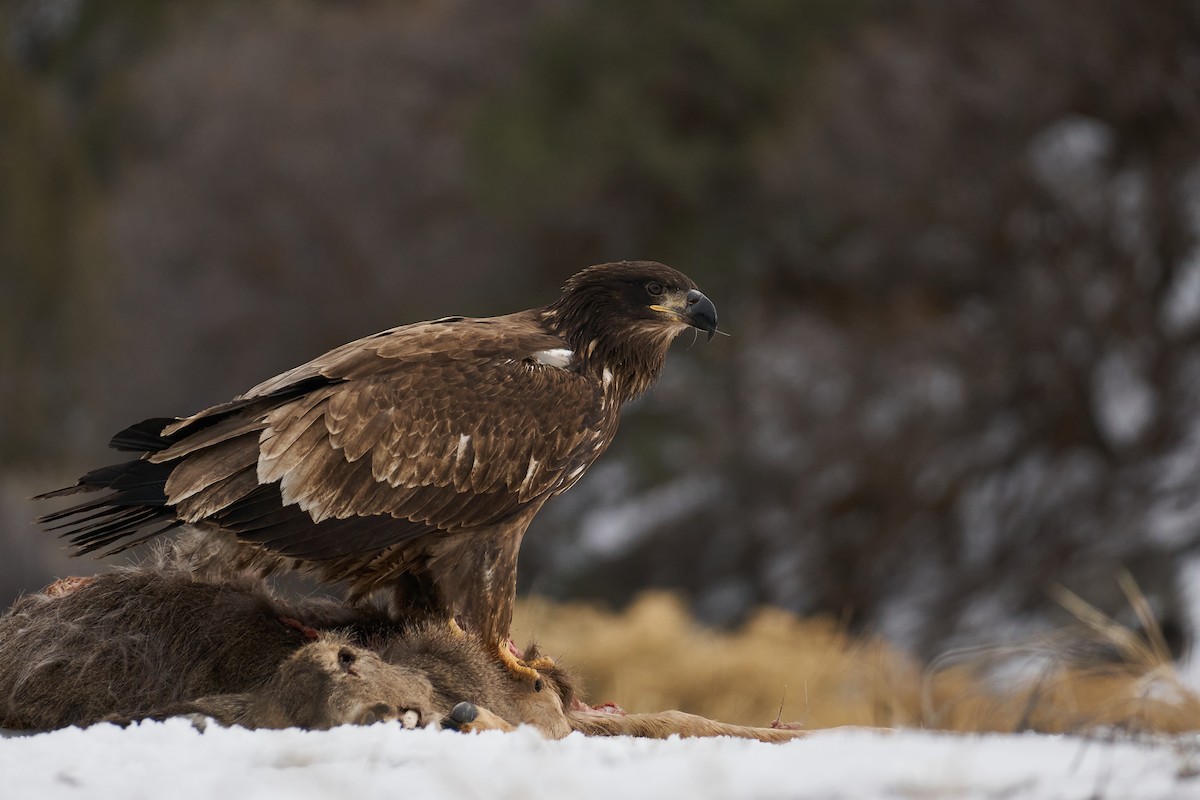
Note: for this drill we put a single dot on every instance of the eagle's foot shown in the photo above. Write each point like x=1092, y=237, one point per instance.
x=521, y=670
x=541, y=664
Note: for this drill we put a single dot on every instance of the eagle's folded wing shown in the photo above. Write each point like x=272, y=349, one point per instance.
x=419, y=429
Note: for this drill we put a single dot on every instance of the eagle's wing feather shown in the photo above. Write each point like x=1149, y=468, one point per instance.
x=437, y=426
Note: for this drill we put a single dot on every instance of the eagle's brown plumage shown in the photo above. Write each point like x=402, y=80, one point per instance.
x=413, y=459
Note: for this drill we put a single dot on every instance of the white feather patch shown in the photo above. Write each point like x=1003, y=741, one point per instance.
x=558, y=357
x=533, y=465
x=462, y=447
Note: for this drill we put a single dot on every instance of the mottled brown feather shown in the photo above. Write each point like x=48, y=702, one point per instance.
x=218, y=496
x=211, y=466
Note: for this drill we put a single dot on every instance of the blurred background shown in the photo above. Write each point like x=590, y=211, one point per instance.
x=956, y=242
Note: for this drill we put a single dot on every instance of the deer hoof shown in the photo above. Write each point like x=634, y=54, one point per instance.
x=463, y=714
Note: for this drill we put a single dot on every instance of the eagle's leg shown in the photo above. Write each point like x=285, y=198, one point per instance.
x=510, y=658
x=479, y=570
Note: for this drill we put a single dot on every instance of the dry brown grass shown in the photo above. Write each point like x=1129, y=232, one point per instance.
x=654, y=657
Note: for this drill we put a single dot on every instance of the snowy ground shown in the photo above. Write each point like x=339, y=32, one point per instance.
x=172, y=760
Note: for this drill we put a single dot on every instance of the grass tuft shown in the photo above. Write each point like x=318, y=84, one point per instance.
x=1096, y=676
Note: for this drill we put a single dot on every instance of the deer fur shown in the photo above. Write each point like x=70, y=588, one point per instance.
x=169, y=639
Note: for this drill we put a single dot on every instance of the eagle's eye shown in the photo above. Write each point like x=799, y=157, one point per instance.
x=654, y=288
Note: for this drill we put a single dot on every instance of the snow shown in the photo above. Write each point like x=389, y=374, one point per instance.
x=172, y=759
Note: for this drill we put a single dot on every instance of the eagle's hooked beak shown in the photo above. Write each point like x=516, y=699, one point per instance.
x=696, y=310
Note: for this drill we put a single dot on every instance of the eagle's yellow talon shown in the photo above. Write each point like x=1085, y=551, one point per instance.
x=522, y=671
x=541, y=664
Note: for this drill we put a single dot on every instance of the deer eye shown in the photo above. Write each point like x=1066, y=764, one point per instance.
x=346, y=659
x=654, y=288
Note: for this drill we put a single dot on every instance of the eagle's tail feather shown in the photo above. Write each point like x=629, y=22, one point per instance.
x=121, y=523
x=136, y=499
x=71, y=515
x=144, y=437
x=146, y=535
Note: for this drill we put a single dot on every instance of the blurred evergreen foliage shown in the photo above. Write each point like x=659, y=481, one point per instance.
x=47, y=181
x=631, y=129
x=64, y=123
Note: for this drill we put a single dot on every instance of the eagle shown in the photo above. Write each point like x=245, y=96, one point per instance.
x=411, y=461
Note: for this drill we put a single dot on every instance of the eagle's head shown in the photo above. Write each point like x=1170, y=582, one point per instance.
x=622, y=317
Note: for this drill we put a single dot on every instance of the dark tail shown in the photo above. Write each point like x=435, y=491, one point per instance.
x=136, y=506
x=144, y=437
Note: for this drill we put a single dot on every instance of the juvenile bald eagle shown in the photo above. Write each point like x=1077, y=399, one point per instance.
x=412, y=460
